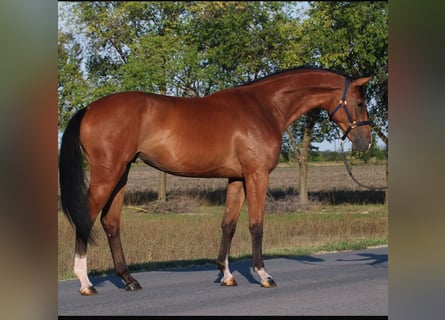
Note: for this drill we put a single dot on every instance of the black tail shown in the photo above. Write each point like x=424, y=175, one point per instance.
x=73, y=187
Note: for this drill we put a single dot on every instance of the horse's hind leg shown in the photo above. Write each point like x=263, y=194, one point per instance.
x=234, y=202
x=102, y=190
x=80, y=267
x=80, y=259
x=110, y=220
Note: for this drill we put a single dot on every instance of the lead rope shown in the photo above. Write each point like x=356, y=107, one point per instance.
x=348, y=167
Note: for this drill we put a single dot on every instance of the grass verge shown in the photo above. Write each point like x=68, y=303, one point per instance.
x=161, y=241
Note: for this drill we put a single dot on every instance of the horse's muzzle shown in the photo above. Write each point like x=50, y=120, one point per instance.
x=361, y=145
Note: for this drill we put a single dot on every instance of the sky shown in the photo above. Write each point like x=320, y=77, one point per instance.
x=332, y=146
x=336, y=145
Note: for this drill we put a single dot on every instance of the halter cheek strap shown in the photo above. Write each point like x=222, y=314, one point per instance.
x=342, y=104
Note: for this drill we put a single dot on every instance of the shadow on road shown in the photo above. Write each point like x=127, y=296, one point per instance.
x=242, y=265
x=370, y=259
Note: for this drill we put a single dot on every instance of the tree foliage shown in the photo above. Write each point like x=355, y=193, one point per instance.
x=352, y=37
x=72, y=86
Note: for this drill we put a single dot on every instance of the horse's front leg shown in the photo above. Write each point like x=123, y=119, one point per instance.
x=256, y=189
x=234, y=202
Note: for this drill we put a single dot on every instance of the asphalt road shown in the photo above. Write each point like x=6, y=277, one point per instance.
x=344, y=283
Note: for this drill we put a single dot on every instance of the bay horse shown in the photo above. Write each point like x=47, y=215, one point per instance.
x=234, y=133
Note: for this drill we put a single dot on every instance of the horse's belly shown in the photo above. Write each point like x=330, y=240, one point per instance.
x=192, y=163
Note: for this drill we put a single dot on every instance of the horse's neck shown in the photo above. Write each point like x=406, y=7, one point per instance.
x=302, y=102
x=291, y=101
x=299, y=95
x=289, y=96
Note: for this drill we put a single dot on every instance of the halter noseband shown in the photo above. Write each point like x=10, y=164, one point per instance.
x=352, y=123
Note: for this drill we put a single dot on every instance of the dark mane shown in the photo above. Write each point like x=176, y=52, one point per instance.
x=300, y=68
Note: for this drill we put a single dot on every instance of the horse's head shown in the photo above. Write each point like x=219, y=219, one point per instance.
x=351, y=115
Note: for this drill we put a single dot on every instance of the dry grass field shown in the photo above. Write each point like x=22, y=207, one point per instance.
x=186, y=230
x=327, y=182
x=324, y=176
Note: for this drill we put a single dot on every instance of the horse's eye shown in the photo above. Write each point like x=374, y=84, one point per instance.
x=360, y=104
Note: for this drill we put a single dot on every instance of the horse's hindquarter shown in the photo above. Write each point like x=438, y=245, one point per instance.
x=110, y=128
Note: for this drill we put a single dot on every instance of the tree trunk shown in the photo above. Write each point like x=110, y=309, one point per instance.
x=162, y=187
x=303, y=161
x=387, y=182
x=385, y=140
x=302, y=158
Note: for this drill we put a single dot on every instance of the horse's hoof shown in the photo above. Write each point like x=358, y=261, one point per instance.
x=268, y=283
x=88, y=291
x=229, y=282
x=133, y=286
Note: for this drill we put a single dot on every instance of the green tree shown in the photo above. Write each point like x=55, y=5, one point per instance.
x=71, y=84
x=350, y=37
x=238, y=41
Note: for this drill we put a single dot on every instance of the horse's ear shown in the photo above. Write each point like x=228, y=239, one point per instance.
x=360, y=82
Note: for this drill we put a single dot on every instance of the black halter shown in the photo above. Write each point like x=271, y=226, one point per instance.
x=352, y=123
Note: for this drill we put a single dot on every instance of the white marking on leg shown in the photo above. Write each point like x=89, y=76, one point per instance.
x=263, y=274
x=80, y=270
x=227, y=278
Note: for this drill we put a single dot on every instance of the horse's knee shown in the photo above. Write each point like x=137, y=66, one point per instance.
x=256, y=230
x=228, y=228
